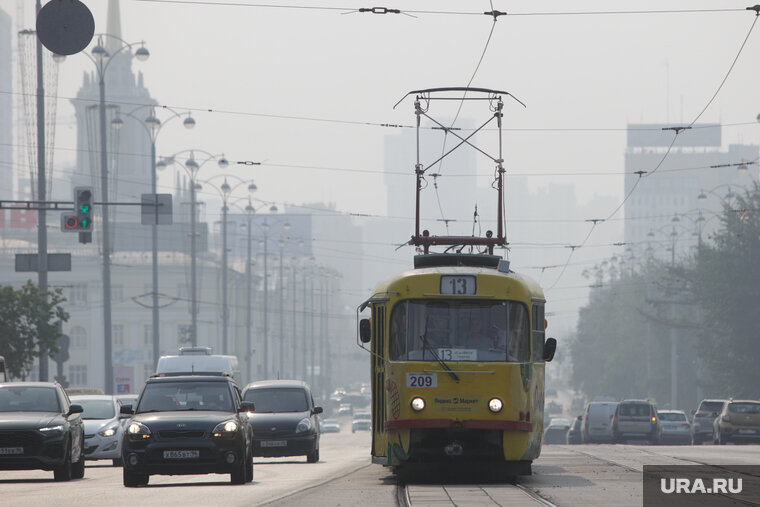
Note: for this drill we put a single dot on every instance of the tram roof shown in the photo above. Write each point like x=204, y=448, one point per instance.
x=533, y=286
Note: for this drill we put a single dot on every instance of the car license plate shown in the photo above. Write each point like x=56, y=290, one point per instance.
x=274, y=443
x=188, y=454
x=747, y=432
x=11, y=450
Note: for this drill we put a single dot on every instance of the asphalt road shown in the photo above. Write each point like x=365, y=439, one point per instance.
x=564, y=475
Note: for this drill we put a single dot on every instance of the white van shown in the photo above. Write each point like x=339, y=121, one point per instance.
x=196, y=360
x=597, y=421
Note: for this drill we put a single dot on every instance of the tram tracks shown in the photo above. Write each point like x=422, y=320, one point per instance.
x=500, y=495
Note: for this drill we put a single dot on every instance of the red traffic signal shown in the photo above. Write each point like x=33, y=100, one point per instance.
x=69, y=223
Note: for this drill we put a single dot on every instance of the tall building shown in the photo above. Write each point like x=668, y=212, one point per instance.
x=696, y=178
x=6, y=108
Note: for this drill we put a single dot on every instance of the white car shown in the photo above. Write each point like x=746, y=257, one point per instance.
x=102, y=428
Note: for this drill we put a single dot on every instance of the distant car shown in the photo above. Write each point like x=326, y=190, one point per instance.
x=556, y=432
x=40, y=429
x=345, y=409
x=553, y=407
x=102, y=427
x=704, y=418
x=739, y=421
x=676, y=427
x=574, y=434
x=191, y=424
x=551, y=392
x=285, y=419
x=362, y=421
x=330, y=426
x=597, y=421
x=636, y=420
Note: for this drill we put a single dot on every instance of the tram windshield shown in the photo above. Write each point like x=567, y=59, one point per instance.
x=490, y=330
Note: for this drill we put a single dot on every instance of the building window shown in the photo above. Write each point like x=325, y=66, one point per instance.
x=78, y=337
x=118, y=335
x=147, y=334
x=78, y=375
x=78, y=294
x=182, y=291
x=147, y=371
x=117, y=292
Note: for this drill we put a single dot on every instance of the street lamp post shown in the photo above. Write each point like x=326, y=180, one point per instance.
x=102, y=60
x=281, y=359
x=192, y=167
x=153, y=127
x=225, y=190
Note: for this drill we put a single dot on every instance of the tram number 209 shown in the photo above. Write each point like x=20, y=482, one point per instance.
x=421, y=380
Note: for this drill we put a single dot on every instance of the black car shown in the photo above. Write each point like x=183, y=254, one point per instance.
x=41, y=430
x=285, y=420
x=574, y=434
x=188, y=425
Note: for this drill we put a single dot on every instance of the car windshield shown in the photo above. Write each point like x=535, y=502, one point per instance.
x=331, y=421
x=634, y=410
x=363, y=415
x=671, y=416
x=711, y=406
x=744, y=408
x=559, y=422
x=29, y=399
x=279, y=399
x=168, y=396
x=424, y=330
x=96, y=409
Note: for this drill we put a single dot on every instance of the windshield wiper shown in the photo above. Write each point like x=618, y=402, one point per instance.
x=445, y=366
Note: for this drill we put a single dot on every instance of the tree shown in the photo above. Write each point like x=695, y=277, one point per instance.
x=726, y=281
x=28, y=323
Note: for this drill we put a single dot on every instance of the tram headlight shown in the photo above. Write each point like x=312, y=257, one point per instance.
x=418, y=404
x=495, y=405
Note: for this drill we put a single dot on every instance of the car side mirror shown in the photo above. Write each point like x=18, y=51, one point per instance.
x=75, y=409
x=246, y=406
x=126, y=410
x=365, y=331
x=317, y=410
x=550, y=347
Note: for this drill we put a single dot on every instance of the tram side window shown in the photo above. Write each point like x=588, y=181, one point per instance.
x=538, y=333
x=518, y=336
x=397, y=344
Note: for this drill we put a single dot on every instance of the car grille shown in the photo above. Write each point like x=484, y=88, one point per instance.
x=29, y=440
x=176, y=434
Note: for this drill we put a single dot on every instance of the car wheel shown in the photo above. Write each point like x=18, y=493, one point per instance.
x=238, y=474
x=313, y=457
x=132, y=479
x=63, y=471
x=77, y=469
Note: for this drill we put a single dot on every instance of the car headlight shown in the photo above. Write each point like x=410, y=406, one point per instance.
x=304, y=425
x=495, y=405
x=109, y=432
x=418, y=404
x=226, y=429
x=138, y=431
x=50, y=431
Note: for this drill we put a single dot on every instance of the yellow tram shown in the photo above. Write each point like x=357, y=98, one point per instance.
x=457, y=350
x=458, y=343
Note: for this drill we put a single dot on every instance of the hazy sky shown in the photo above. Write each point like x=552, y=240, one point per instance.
x=582, y=77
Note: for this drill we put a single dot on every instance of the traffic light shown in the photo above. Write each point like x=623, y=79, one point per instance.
x=83, y=208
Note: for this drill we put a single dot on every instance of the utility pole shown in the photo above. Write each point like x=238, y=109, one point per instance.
x=42, y=279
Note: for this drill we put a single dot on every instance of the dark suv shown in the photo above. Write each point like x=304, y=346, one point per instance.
x=285, y=421
x=188, y=425
x=704, y=418
x=41, y=429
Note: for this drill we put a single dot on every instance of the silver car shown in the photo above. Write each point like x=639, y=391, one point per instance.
x=102, y=428
x=676, y=428
x=704, y=418
x=636, y=420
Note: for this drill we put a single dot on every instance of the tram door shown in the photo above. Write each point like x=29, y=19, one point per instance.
x=379, y=439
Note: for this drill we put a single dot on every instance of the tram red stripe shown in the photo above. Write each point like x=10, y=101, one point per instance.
x=469, y=424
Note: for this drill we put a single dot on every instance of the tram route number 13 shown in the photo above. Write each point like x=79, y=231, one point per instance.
x=421, y=380
x=458, y=285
